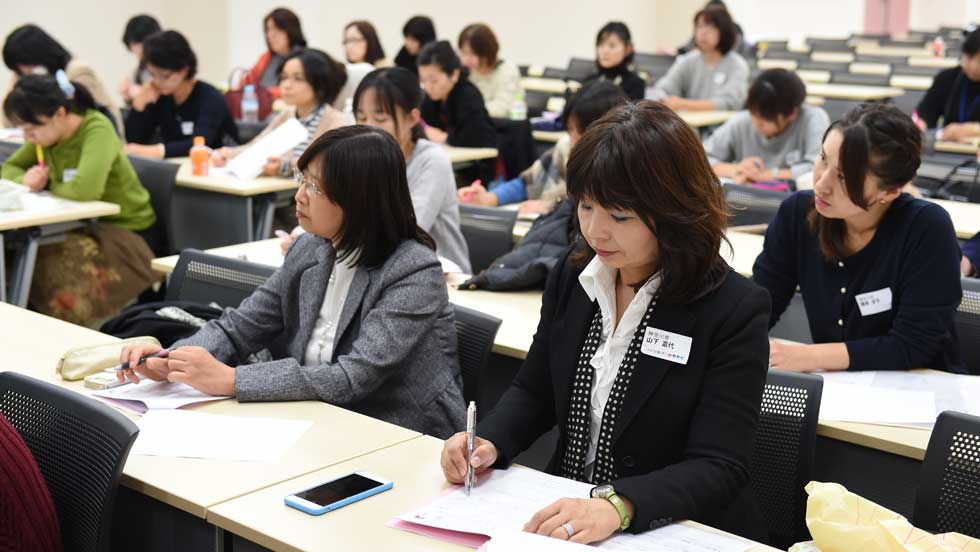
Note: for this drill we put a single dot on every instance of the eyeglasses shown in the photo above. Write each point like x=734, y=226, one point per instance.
x=310, y=186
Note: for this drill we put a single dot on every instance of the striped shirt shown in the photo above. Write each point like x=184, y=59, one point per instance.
x=311, y=122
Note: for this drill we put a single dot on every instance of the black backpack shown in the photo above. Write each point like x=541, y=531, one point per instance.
x=172, y=325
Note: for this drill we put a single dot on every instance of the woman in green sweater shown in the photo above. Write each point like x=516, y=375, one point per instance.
x=100, y=268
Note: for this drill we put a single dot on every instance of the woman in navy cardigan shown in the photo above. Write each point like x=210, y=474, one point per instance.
x=878, y=269
x=650, y=355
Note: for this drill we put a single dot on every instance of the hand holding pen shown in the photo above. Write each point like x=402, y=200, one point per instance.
x=146, y=360
x=454, y=457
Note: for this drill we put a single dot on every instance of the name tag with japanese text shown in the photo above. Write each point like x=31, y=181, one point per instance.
x=666, y=345
x=68, y=175
x=187, y=127
x=874, y=302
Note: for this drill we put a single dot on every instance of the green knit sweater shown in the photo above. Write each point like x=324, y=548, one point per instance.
x=96, y=168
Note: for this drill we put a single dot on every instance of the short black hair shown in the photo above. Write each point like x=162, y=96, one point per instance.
x=393, y=87
x=420, y=28
x=35, y=96
x=718, y=16
x=441, y=54
x=374, y=51
x=326, y=75
x=287, y=21
x=775, y=92
x=971, y=42
x=170, y=50
x=591, y=102
x=138, y=28
x=30, y=45
x=619, y=29
x=362, y=170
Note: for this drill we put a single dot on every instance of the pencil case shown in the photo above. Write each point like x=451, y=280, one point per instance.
x=79, y=362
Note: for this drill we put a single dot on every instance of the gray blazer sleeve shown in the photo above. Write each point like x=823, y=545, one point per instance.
x=412, y=297
x=816, y=126
x=731, y=94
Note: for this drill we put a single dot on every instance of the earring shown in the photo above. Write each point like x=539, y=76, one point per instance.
x=881, y=202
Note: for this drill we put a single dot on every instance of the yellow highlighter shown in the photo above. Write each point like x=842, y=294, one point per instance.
x=40, y=155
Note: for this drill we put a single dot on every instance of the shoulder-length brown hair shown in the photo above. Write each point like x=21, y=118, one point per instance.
x=880, y=141
x=482, y=41
x=644, y=158
x=719, y=17
x=287, y=21
x=375, y=52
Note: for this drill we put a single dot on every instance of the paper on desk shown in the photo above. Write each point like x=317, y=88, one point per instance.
x=249, y=163
x=192, y=434
x=155, y=395
x=13, y=132
x=16, y=197
x=847, y=402
x=504, y=500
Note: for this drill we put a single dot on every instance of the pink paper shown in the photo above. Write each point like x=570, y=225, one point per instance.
x=472, y=540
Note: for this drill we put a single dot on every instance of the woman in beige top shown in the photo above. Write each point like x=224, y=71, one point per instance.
x=499, y=81
x=28, y=49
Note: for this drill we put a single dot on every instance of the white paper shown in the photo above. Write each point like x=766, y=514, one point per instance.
x=848, y=402
x=503, y=501
x=8, y=133
x=157, y=395
x=249, y=163
x=269, y=256
x=197, y=435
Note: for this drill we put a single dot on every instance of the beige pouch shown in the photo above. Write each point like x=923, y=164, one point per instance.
x=79, y=362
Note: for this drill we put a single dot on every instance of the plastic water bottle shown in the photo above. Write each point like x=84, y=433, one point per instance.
x=200, y=156
x=938, y=46
x=518, y=109
x=250, y=105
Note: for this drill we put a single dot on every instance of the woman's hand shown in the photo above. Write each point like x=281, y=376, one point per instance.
x=966, y=267
x=453, y=458
x=220, y=157
x=153, y=369
x=272, y=165
x=532, y=206
x=195, y=366
x=433, y=134
x=152, y=151
x=955, y=132
x=590, y=519
x=476, y=194
x=146, y=95
x=286, y=240
x=36, y=178
x=791, y=357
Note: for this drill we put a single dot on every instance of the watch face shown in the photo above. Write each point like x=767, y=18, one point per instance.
x=602, y=491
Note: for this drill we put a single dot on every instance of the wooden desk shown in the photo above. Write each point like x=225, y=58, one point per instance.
x=549, y=86
x=832, y=57
x=696, y=119
x=231, y=185
x=965, y=216
x=413, y=466
x=864, y=68
x=938, y=63
x=911, y=82
x=550, y=136
x=464, y=155
x=26, y=230
x=896, y=51
x=853, y=91
x=956, y=147
x=773, y=63
x=813, y=76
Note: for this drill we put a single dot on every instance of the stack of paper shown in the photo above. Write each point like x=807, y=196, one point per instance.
x=154, y=395
x=249, y=163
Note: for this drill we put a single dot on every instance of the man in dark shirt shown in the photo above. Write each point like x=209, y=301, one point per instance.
x=955, y=95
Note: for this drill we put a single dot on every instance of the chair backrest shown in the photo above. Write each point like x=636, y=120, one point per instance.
x=580, y=68
x=489, y=233
x=475, y=332
x=7, y=149
x=918, y=70
x=774, y=45
x=782, y=459
x=949, y=487
x=750, y=205
x=555, y=73
x=968, y=325
x=871, y=58
x=654, y=65
x=832, y=66
x=80, y=447
x=844, y=77
x=829, y=44
x=247, y=131
x=159, y=178
x=909, y=101
x=204, y=278
x=786, y=54
x=836, y=108
x=537, y=102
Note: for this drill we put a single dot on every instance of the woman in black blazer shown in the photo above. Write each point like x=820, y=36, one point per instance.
x=651, y=353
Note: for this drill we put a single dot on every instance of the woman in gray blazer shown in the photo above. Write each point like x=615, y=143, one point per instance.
x=358, y=315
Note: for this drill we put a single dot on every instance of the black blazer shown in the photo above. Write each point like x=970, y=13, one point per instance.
x=686, y=432
x=943, y=98
x=463, y=116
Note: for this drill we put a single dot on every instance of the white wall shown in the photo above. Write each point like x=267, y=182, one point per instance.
x=796, y=19
x=926, y=14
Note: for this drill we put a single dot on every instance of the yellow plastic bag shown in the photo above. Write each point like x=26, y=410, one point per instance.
x=841, y=521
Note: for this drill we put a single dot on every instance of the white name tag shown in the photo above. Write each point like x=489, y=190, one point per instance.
x=874, y=302
x=719, y=78
x=187, y=127
x=68, y=175
x=666, y=345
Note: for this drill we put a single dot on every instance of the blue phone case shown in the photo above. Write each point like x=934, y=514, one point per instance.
x=303, y=505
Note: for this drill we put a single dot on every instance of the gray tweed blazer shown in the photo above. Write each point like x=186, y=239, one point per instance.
x=395, y=353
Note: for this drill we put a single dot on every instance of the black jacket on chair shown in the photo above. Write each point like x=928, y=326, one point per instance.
x=686, y=432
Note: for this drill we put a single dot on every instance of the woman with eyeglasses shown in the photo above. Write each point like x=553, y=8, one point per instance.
x=176, y=106
x=358, y=315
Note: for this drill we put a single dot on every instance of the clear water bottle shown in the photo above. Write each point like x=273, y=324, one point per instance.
x=250, y=105
x=518, y=109
x=938, y=46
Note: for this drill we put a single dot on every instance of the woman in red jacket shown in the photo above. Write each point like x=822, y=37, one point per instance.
x=283, y=35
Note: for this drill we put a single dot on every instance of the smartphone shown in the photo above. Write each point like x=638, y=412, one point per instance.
x=337, y=493
x=103, y=380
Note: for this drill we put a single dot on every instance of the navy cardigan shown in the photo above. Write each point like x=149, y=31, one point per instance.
x=914, y=255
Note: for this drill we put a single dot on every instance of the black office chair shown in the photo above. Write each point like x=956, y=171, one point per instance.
x=580, y=68
x=489, y=233
x=968, y=325
x=828, y=44
x=782, y=459
x=859, y=78
x=774, y=45
x=159, y=178
x=871, y=58
x=80, y=447
x=786, y=54
x=750, y=205
x=909, y=101
x=475, y=332
x=793, y=324
x=537, y=103
x=247, y=131
x=522, y=69
x=555, y=73
x=7, y=149
x=949, y=488
x=204, y=278
x=832, y=66
x=906, y=69
x=655, y=65
x=836, y=108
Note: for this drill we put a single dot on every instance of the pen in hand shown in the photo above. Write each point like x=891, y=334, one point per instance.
x=470, y=441
x=159, y=354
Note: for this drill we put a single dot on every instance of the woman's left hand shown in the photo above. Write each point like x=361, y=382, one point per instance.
x=591, y=520
x=196, y=367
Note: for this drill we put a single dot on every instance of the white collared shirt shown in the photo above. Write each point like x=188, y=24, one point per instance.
x=599, y=283
x=320, y=347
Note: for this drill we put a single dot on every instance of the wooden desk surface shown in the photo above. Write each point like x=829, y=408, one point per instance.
x=911, y=82
x=815, y=76
x=774, y=63
x=956, y=147
x=864, y=68
x=938, y=63
x=549, y=86
x=462, y=155
x=230, y=185
x=413, y=466
x=696, y=119
x=853, y=91
x=68, y=211
x=832, y=57
x=966, y=216
x=551, y=136
x=895, y=51
x=192, y=484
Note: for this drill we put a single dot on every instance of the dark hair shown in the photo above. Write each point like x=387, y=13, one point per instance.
x=362, y=170
x=619, y=29
x=775, y=92
x=440, y=53
x=393, y=87
x=482, y=41
x=591, y=102
x=374, y=50
x=326, y=75
x=30, y=45
x=287, y=21
x=36, y=96
x=878, y=140
x=420, y=28
x=971, y=43
x=644, y=158
x=138, y=28
x=170, y=50
x=718, y=16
